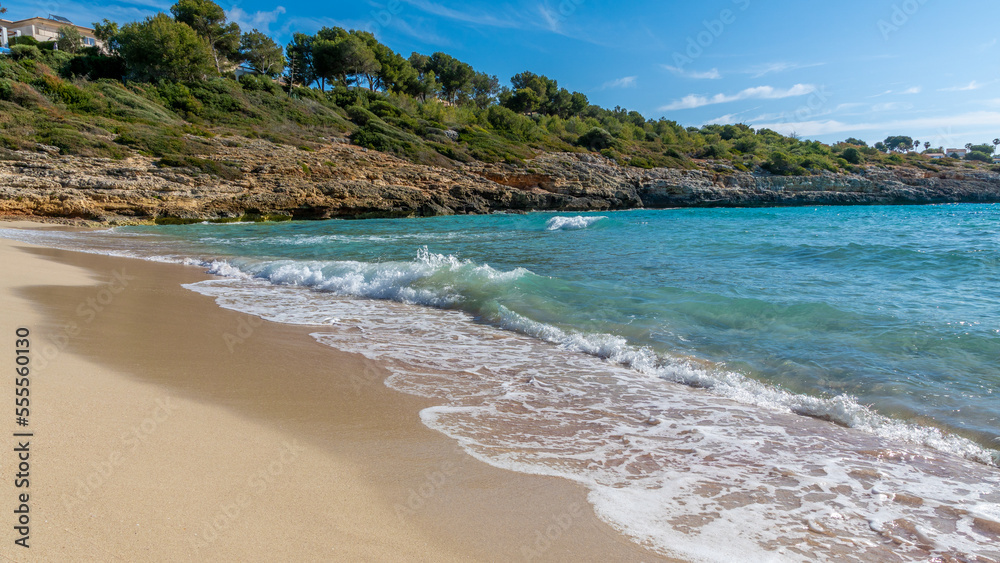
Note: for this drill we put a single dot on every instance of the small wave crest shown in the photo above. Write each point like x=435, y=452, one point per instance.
x=571, y=223
x=431, y=279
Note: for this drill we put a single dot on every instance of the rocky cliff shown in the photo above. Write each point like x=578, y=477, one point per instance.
x=341, y=180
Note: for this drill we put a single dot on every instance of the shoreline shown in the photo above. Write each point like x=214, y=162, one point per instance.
x=365, y=480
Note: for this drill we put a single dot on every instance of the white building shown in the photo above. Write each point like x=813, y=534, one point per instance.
x=43, y=29
x=956, y=153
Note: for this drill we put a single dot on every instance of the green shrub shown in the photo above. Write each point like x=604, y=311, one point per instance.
x=345, y=97
x=260, y=83
x=511, y=124
x=361, y=116
x=487, y=147
x=179, y=98
x=61, y=91
x=597, y=139
x=852, y=155
x=19, y=52
x=715, y=150
x=58, y=60
x=223, y=101
x=26, y=96
x=196, y=131
x=23, y=40
x=817, y=162
x=96, y=67
x=384, y=109
x=157, y=141
x=780, y=163
x=746, y=145
x=372, y=138
x=71, y=140
x=671, y=152
x=641, y=162
x=6, y=90
x=979, y=156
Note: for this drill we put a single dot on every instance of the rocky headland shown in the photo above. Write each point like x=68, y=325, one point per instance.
x=266, y=180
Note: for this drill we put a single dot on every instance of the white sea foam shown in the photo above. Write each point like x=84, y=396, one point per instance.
x=571, y=223
x=695, y=475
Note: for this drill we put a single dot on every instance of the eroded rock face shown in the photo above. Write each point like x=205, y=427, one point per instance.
x=347, y=181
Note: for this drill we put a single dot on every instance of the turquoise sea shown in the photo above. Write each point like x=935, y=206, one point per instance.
x=787, y=381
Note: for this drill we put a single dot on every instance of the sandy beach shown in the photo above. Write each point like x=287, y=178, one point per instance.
x=166, y=428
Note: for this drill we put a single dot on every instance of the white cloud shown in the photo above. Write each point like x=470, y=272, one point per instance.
x=727, y=119
x=692, y=101
x=550, y=17
x=913, y=90
x=891, y=106
x=970, y=86
x=764, y=69
x=540, y=16
x=978, y=119
x=261, y=21
x=625, y=82
x=704, y=75
x=848, y=105
x=467, y=16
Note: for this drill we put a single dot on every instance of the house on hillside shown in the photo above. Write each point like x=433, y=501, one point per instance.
x=956, y=153
x=4, y=26
x=43, y=29
x=934, y=155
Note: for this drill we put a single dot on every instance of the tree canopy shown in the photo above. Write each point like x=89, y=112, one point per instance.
x=70, y=39
x=262, y=54
x=898, y=143
x=161, y=48
x=208, y=19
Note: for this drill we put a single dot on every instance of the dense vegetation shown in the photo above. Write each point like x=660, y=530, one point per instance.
x=164, y=84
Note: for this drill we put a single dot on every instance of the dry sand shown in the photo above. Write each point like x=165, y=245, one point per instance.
x=166, y=428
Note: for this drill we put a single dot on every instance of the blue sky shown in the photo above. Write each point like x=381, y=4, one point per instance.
x=824, y=70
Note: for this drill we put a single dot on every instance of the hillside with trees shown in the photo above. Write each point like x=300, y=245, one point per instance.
x=163, y=86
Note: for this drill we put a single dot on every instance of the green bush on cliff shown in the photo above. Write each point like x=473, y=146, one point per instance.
x=20, y=52
x=362, y=116
x=597, y=139
x=6, y=89
x=852, y=155
x=259, y=83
